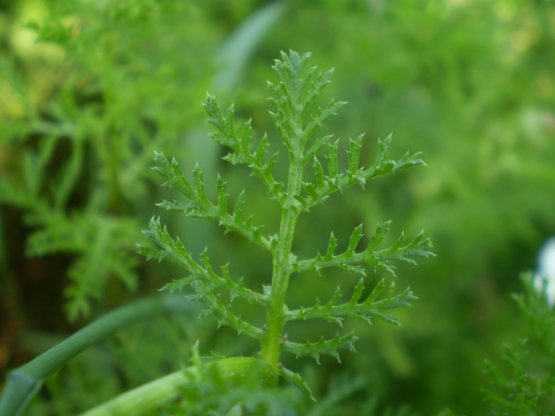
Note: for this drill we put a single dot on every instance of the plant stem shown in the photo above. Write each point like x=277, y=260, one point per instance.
x=24, y=382
x=143, y=399
x=281, y=268
x=148, y=398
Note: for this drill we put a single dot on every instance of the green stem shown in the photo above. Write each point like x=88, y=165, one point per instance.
x=281, y=269
x=145, y=398
x=24, y=382
x=150, y=397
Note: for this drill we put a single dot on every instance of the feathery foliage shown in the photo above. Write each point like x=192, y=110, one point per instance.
x=524, y=384
x=79, y=163
x=298, y=118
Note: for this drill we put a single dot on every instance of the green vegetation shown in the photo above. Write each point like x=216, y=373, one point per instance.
x=302, y=240
x=293, y=96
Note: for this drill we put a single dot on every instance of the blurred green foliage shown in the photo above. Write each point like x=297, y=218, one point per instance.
x=525, y=385
x=89, y=89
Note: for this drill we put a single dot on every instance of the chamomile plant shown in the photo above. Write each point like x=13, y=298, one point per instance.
x=313, y=174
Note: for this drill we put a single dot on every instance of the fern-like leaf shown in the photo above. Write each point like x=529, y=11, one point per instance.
x=374, y=306
x=330, y=346
x=353, y=261
x=336, y=180
x=198, y=205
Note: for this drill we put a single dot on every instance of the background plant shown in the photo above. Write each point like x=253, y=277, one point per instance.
x=523, y=383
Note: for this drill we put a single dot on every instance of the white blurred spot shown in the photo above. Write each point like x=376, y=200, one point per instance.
x=545, y=274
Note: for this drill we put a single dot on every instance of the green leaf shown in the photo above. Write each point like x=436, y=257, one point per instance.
x=318, y=173
x=333, y=163
x=355, y=146
x=352, y=261
x=354, y=239
x=329, y=346
x=221, y=192
x=332, y=245
x=297, y=380
x=374, y=306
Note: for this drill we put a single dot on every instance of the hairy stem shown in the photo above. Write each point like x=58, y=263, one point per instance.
x=150, y=397
x=143, y=399
x=281, y=268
